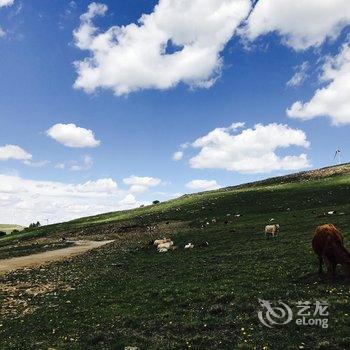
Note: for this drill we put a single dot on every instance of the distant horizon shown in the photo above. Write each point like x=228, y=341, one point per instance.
x=191, y=193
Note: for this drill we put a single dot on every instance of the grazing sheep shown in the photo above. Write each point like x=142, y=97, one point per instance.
x=162, y=250
x=160, y=241
x=272, y=230
x=328, y=244
x=189, y=246
x=165, y=245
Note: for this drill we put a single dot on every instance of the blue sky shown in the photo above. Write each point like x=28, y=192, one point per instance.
x=141, y=110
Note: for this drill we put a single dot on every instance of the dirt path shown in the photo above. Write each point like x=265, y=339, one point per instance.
x=34, y=260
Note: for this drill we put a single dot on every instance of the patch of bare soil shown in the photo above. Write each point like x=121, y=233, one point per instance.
x=34, y=260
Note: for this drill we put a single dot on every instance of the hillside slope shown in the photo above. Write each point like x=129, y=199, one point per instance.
x=128, y=294
x=169, y=211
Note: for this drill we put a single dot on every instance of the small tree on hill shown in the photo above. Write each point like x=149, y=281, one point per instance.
x=34, y=225
x=155, y=202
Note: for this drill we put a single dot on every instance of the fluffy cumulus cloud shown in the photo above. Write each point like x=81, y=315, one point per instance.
x=4, y=3
x=180, y=41
x=71, y=135
x=332, y=100
x=203, y=185
x=129, y=200
x=14, y=152
x=140, y=184
x=301, y=23
x=178, y=155
x=253, y=150
x=24, y=201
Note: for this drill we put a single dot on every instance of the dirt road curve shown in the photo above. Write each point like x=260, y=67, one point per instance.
x=34, y=260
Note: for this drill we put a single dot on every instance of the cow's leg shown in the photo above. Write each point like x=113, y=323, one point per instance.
x=333, y=267
x=330, y=269
x=320, y=265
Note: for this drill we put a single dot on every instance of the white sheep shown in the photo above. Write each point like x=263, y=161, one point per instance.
x=189, y=246
x=162, y=250
x=272, y=230
x=166, y=245
x=160, y=241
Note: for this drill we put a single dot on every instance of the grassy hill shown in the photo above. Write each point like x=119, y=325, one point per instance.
x=9, y=228
x=127, y=294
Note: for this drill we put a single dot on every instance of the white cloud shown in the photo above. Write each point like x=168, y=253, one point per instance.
x=144, y=181
x=86, y=164
x=71, y=135
x=60, y=166
x=6, y=3
x=180, y=41
x=14, y=152
x=300, y=75
x=203, y=185
x=178, y=155
x=37, y=164
x=301, y=23
x=24, y=201
x=333, y=100
x=251, y=151
x=140, y=184
x=99, y=186
x=128, y=200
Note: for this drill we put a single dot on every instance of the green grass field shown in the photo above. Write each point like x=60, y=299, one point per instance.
x=127, y=294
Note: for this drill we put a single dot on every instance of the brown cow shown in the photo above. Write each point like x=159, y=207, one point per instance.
x=328, y=244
